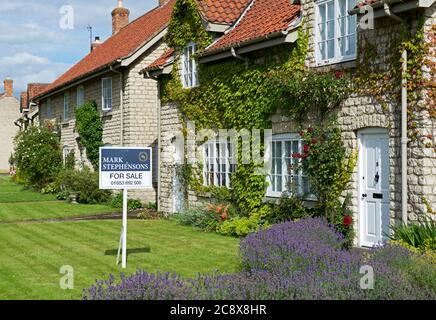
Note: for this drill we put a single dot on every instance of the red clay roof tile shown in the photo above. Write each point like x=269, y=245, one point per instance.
x=121, y=45
x=34, y=89
x=265, y=17
x=365, y=2
x=161, y=61
x=222, y=11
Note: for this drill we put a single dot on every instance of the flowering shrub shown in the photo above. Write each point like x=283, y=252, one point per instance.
x=37, y=156
x=209, y=217
x=292, y=260
x=324, y=160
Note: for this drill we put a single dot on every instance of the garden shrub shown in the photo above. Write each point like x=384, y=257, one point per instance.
x=85, y=184
x=418, y=234
x=290, y=207
x=151, y=206
x=242, y=226
x=132, y=204
x=209, y=217
x=37, y=156
x=292, y=260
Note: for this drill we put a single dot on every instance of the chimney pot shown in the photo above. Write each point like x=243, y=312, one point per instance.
x=95, y=43
x=9, y=87
x=120, y=17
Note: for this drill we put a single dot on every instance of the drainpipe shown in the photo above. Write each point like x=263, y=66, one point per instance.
x=121, y=105
x=238, y=56
x=387, y=9
x=404, y=140
x=159, y=144
x=404, y=137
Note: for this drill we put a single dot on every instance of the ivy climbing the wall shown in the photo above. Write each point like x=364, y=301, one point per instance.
x=89, y=125
x=235, y=94
x=383, y=81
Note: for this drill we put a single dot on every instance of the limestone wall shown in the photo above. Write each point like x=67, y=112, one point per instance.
x=9, y=112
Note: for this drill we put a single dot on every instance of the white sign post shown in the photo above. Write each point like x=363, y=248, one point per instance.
x=124, y=169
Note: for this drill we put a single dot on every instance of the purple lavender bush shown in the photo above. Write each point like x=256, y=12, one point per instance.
x=292, y=260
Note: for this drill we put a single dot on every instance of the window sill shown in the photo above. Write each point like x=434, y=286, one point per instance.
x=273, y=198
x=107, y=113
x=350, y=60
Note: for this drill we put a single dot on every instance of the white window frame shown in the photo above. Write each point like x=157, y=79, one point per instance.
x=282, y=171
x=80, y=98
x=337, y=57
x=212, y=162
x=66, y=107
x=106, y=94
x=189, y=67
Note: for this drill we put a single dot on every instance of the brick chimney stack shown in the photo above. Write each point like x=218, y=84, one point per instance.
x=95, y=43
x=120, y=17
x=162, y=2
x=9, y=87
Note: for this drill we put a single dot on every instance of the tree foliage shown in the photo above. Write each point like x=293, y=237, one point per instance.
x=37, y=156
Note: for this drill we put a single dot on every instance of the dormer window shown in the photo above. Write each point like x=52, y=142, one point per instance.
x=189, y=72
x=335, y=31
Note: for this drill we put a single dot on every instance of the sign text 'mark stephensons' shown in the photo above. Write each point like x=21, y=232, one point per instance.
x=115, y=164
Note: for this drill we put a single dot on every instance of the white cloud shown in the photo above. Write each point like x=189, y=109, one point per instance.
x=33, y=48
x=22, y=58
x=26, y=68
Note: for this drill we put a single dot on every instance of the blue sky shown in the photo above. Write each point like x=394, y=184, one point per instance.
x=33, y=46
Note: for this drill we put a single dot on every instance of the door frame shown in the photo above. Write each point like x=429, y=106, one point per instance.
x=360, y=139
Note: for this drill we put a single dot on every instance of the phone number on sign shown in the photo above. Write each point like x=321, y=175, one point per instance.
x=126, y=183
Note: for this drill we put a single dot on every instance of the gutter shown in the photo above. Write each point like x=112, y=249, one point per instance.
x=18, y=125
x=285, y=36
x=121, y=105
x=76, y=82
x=401, y=5
x=126, y=61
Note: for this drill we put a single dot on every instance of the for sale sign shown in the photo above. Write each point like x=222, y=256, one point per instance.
x=125, y=168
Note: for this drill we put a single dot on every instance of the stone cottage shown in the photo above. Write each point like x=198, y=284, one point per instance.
x=109, y=75
x=9, y=111
x=29, y=109
x=395, y=177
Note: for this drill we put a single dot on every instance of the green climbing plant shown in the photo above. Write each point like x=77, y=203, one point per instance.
x=89, y=125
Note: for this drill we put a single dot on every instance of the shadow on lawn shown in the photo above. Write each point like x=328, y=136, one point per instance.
x=114, y=252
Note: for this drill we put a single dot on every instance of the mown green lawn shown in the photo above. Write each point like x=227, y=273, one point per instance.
x=18, y=204
x=32, y=253
x=14, y=212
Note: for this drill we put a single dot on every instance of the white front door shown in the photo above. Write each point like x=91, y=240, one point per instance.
x=374, y=187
